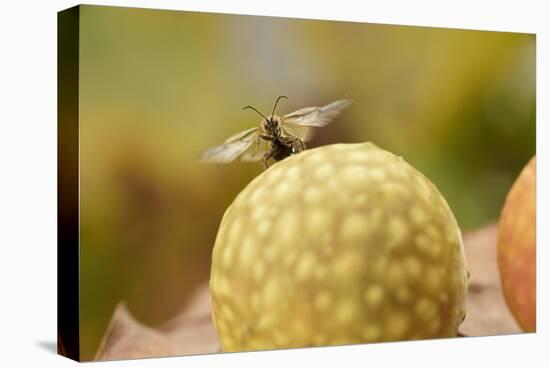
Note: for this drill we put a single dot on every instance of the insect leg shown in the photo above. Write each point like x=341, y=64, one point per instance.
x=266, y=137
x=268, y=155
x=302, y=144
x=297, y=145
x=257, y=146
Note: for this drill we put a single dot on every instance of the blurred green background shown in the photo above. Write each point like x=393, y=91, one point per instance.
x=159, y=87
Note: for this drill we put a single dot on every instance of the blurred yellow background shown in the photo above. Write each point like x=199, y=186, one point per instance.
x=159, y=87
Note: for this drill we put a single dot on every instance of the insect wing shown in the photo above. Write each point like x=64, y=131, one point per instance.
x=256, y=150
x=232, y=147
x=316, y=116
x=304, y=133
x=241, y=135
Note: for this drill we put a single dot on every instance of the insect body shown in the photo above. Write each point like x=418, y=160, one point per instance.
x=277, y=137
x=282, y=142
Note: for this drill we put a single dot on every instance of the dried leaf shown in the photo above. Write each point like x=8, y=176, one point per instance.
x=193, y=330
x=487, y=312
x=126, y=338
x=190, y=332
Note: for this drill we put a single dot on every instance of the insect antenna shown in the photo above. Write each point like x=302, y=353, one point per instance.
x=258, y=112
x=275, y=106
